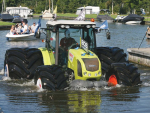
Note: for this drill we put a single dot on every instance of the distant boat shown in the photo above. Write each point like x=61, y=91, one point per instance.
x=47, y=13
x=17, y=18
x=133, y=19
x=105, y=17
x=119, y=18
x=7, y=17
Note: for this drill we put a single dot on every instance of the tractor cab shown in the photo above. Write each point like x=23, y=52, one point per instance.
x=66, y=39
x=63, y=35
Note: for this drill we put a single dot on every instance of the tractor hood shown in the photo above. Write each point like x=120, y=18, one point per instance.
x=85, y=66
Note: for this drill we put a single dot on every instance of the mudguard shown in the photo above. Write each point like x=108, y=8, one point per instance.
x=48, y=56
x=85, y=66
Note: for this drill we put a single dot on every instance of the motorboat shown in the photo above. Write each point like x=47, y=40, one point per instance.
x=17, y=19
x=7, y=17
x=133, y=19
x=20, y=36
x=102, y=18
x=29, y=36
x=119, y=18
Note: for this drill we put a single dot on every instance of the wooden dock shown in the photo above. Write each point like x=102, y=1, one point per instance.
x=139, y=56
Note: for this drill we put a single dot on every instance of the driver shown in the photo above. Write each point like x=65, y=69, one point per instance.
x=65, y=43
x=67, y=40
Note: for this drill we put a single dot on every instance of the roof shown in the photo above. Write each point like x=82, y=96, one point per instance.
x=70, y=22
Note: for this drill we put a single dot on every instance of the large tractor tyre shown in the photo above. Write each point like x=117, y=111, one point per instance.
x=50, y=77
x=21, y=62
x=109, y=55
x=123, y=74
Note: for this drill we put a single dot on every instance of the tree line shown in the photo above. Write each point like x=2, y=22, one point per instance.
x=70, y=6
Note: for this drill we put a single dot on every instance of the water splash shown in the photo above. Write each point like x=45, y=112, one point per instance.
x=4, y=78
x=2, y=72
x=146, y=84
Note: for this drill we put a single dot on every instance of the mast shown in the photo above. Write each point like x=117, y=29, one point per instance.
x=52, y=6
x=49, y=6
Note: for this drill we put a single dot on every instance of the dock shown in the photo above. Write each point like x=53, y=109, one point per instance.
x=139, y=56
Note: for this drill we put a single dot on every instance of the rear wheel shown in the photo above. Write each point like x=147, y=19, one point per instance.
x=21, y=62
x=123, y=74
x=50, y=77
x=109, y=55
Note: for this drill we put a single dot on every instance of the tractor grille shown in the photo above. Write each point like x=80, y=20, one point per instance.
x=91, y=64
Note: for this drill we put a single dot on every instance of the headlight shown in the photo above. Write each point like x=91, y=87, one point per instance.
x=99, y=72
x=89, y=74
x=88, y=26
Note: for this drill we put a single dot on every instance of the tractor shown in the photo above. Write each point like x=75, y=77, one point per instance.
x=70, y=53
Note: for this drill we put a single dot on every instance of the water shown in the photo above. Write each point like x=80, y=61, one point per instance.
x=17, y=96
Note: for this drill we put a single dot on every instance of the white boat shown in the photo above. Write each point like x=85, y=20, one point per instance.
x=47, y=13
x=21, y=36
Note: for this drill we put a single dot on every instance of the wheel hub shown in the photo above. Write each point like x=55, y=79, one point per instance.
x=39, y=83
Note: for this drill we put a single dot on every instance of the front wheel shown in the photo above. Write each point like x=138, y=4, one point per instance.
x=50, y=77
x=123, y=74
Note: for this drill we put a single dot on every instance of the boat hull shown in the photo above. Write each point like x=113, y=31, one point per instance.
x=133, y=22
x=21, y=37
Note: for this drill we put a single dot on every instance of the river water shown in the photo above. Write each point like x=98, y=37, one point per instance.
x=17, y=96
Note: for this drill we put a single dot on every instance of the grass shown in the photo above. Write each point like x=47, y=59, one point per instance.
x=6, y=23
x=147, y=18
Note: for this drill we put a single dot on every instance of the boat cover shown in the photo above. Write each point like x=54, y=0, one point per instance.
x=133, y=17
x=104, y=17
x=7, y=17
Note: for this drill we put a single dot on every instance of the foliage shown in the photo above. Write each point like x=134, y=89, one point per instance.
x=70, y=6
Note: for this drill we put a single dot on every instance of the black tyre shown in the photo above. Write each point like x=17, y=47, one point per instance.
x=109, y=55
x=124, y=73
x=50, y=77
x=21, y=62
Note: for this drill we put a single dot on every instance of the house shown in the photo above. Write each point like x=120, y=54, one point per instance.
x=22, y=11
x=89, y=10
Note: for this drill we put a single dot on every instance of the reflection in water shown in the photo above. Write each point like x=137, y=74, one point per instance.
x=84, y=101
x=124, y=94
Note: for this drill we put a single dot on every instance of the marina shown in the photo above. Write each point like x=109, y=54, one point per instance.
x=20, y=95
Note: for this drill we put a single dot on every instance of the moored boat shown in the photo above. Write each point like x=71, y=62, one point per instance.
x=133, y=19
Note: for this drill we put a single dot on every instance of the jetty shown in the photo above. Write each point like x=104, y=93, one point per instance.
x=139, y=56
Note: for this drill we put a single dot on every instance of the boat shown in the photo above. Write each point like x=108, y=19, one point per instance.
x=119, y=18
x=133, y=19
x=20, y=37
x=17, y=18
x=47, y=13
x=7, y=17
x=102, y=18
x=30, y=36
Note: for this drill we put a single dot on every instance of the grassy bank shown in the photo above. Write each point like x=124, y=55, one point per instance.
x=6, y=23
x=147, y=18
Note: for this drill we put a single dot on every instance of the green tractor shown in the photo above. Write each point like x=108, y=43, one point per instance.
x=70, y=53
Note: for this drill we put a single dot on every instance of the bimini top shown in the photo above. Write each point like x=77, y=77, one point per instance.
x=69, y=22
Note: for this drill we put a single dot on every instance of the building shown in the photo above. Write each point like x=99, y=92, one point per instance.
x=89, y=10
x=22, y=11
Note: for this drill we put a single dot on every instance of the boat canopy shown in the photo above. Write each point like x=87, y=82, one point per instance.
x=133, y=17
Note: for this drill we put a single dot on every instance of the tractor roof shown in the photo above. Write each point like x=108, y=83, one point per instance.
x=69, y=22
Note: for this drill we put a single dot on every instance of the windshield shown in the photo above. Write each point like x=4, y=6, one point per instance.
x=70, y=39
